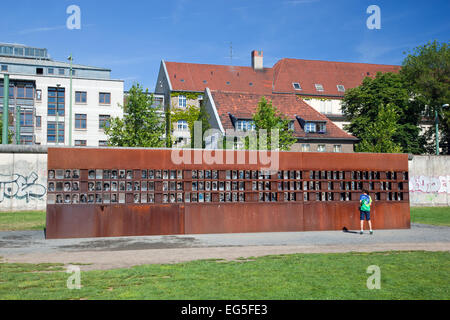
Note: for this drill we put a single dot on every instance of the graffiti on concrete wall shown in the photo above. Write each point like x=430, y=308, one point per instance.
x=425, y=184
x=20, y=187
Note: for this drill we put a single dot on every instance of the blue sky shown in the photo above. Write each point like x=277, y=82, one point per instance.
x=131, y=37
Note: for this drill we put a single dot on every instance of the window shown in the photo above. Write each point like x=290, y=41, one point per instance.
x=105, y=98
x=61, y=72
x=27, y=140
x=56, y=100
x=38, y=122
x=305, y=147
x=25, y=92
x=73, y=72
x=103, y=143
x=337, y=148
x=291, y=125
x=321, y=148
x=340, y=88
x=319, y=87
x=4, y=68
x=321, y=127
x=245, y=125
x=315, y=127
x=182, y=125
x=80, y=97
x=51, y=132
x=80, y=121
x=182, y=101
x=39, y=70
x=80, y=143
x=297, y=86
x=103, y=121
x=51, y=71
x=38, y=94
x=310, y=127
x=26, y=118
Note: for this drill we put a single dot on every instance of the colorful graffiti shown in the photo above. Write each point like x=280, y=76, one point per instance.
x=20, y=187
x=427, y=184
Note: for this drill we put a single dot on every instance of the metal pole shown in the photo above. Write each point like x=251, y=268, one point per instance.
x=70, y=106
x=5, y=108
x=437, y=132
x=18, y=125
x=57, y=120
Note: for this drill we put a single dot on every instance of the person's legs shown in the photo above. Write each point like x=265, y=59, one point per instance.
x=362, y=221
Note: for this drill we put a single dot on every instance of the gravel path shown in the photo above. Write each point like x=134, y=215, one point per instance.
x=109, y=253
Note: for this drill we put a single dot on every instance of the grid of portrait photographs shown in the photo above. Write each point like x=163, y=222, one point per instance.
x=150, y=186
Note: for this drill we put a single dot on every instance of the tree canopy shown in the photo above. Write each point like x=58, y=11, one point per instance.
x=142, y=124
x=268, y=117
x=426, y=74
x=362, y=106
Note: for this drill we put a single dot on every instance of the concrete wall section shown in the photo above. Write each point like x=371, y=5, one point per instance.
x=23, y=181
x=429, y=181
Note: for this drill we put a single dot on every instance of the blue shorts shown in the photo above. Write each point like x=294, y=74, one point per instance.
x=365, y=214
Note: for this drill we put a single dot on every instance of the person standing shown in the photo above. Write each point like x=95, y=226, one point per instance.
x=365, y=203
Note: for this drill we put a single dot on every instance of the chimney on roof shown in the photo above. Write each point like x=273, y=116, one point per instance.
x=257, y=60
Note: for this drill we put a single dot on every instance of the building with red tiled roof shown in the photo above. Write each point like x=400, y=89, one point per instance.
x=319, y=84
x=314, y=132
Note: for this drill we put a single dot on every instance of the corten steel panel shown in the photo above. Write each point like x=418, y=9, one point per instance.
x=86, y=221
x=241, y=218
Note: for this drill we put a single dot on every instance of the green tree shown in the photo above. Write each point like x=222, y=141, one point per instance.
x=10, y=135
x=378, y=135
x=362, y=105
x=142, y=124
x=268, y=117
x=426, y=73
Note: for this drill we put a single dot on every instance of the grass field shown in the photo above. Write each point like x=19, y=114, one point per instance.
x=439, y=216
x=35, y=220
x=22, y=220
x=404, y=275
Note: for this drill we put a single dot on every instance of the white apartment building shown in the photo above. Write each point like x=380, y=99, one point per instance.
x=40, y=88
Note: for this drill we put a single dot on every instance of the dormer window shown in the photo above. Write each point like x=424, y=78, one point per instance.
x=296, y=86
x=340, y=88
x=319, y=87
x=291, y=125
x=245, y=125
x=315, y=127
x=310, y=127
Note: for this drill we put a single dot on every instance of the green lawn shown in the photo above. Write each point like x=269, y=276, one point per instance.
x=22, y=220
x=404, y=275
x=439, y=216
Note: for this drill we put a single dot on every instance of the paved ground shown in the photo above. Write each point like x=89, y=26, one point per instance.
x=107, y=253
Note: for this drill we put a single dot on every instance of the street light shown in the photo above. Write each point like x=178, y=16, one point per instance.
x=70, y=58
x=437, y=127
x=57, y=114
x=5, y=108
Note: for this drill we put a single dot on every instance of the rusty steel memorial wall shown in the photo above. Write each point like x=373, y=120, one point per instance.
x=109, y=192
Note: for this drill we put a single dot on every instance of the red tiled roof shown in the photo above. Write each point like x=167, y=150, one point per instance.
x=243, y=106
x=279, y=79
x=327, y=73
x=196, y=77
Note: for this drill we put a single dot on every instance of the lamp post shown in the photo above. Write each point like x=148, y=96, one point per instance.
x=57, y=114
x=70, y=102
x=5, y=108
x=18, y=125
x=437, y=127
